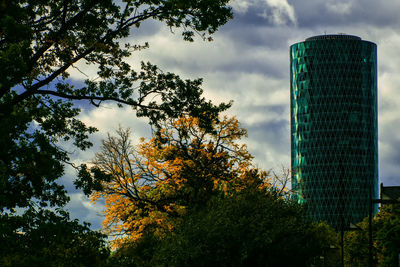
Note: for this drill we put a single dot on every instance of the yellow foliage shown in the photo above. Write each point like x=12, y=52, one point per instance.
x=155, y=182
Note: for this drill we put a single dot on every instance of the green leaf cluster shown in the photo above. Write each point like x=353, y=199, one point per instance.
x=385, y=239
x=41, y=40
x=250, y=228
x=47, y=238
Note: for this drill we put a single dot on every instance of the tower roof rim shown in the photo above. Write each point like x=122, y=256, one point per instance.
x=333, y=37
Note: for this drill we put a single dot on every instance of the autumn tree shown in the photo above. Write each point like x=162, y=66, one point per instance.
x=151, y=185
x=40, y=41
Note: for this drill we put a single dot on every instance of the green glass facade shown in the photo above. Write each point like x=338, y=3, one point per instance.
x=334, y=149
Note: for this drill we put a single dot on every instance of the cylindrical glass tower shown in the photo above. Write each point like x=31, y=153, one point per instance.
x=334, y=146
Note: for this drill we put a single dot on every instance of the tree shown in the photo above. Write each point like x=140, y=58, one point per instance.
x=386, y=239
x=46, y=238
x=388, y=235
x=191, y=197
x=356, y=245
x=153, y=185
x=249, y=228
x=41, y=40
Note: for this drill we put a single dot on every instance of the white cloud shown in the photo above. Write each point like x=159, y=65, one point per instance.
x=81, y=207
x=240, y=6
x=340, y=8
x=81, y=71
x=109, y=117
x=278, y=12
x=282, y=12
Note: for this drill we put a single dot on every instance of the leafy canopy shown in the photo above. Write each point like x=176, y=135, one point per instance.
x=386, y=239
x=253, y=227
x=152, y=185
x=41, y=40
x=47, y=238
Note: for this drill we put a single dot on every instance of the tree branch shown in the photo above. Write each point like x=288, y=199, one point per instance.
x=92, y=98
x=109, y=36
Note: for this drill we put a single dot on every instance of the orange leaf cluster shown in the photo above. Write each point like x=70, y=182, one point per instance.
x=155, y=182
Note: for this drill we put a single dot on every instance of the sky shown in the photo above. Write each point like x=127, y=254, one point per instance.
x=248, y=62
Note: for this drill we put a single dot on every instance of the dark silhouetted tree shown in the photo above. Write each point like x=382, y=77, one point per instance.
x=251, y=227
x=46, y=238
x=41, y=40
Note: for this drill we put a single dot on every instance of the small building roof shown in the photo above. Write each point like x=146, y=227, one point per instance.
x=390, y=192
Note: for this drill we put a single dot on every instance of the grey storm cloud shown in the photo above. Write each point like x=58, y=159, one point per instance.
x=275, y=131
x=274, y=153
x=259, y=66
x=147, y=28
x=250, y=36
x=81, y=207
x=320, y=13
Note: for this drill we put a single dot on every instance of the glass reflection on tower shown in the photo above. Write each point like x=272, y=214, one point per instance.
x=334, y=150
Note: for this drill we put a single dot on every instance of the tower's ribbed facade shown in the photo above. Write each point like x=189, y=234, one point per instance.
x=334, y=149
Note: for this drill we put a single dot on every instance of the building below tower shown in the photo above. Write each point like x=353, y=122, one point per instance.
x=334, y=145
